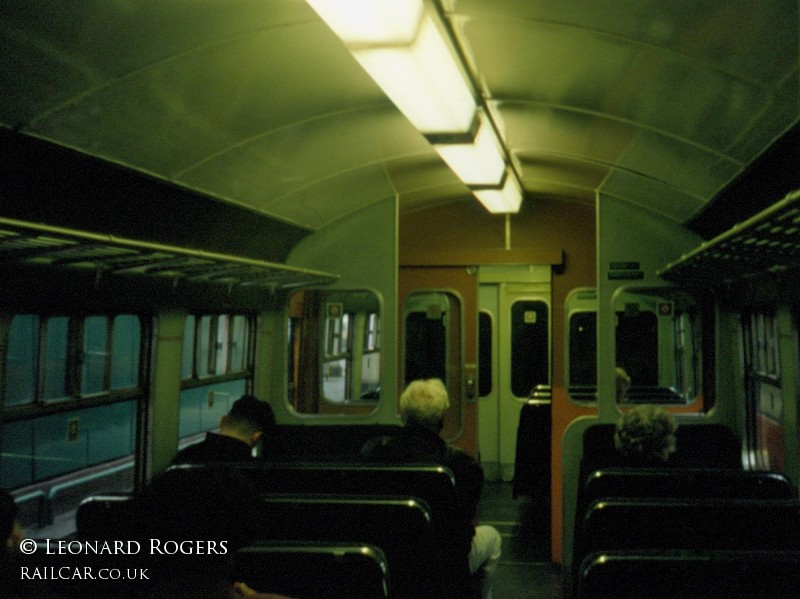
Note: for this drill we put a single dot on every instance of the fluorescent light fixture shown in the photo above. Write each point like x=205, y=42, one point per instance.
x=406, y=51
x=371, y=22
x=400, y=46
x=476, y=163
x=423, y=80
x=501, y=199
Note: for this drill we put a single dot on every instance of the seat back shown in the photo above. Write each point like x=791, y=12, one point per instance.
x=399, y=527
x=315, y=570
x=688, y=575
x=686, y=483
x=98, y=516
x=697, y=446
x=694, y=524
x=435, y=485
x=322, y=443
x=244, y=503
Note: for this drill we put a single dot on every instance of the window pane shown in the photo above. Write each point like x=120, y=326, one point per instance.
x=83, y=438
x=203, y=347
x=203, y=406
x=54, y=365
x=23, y=355
x=125, y=353
x=16, y=467
x=95, y=355
x=426, y=347
x=583, y=352
x=334, y=380
x=529, y=347
x=187, y=357
x=239, y=337
x=372, y=336
x=484, y=354
x=221, y=345
x=637, y=346
x=371, y=375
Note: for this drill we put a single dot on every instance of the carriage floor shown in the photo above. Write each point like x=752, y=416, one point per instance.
x=525, y=570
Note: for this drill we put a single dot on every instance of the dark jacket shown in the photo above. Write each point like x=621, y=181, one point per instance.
x=214, y=448
x=418, y=445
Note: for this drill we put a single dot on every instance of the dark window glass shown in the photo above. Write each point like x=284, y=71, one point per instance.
x=426, y=347
x=54, y=359
x=206, y=335
x=530, y=353
x=239, y=338
x=95, y=355
x=16, y=467
x=22, y=358
x=637, y=346
x=484, y=354
x=187, y=355
x=583, y=353
x=127, y=335
x=222, y=345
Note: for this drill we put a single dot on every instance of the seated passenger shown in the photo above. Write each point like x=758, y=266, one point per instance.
x=240, y=430
x=645, y=436
x=422, y=407
x=213, y=506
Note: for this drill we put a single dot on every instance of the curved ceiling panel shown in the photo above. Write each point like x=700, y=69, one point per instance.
x=333, y=198
x=266, y=170
x=258, y=104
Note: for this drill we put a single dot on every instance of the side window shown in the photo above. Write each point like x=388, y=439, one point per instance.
x=637, y=344
x=215, y=345
x=126, y=334
x=204, y=357
x=22, y=360
x=583, y=355
x=64, y=420
x=333, y=351
x=54, y=361
x=530, y=351
x=216, y=369
x=485, y=358
x=580, y=309
x=662, y=334
x=433, y=325
x=336, y=371
x=764, y=399
x=187, y=355
x=239, y=345
x=95, y=355
x=57, y=358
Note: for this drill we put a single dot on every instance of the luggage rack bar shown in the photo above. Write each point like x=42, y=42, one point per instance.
x=768, y=244
x=34, y=244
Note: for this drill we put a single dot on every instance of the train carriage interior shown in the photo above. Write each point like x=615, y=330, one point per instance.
x=317, y=202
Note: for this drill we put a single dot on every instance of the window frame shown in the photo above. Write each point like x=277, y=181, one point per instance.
x=212, y=357
x=74, y=397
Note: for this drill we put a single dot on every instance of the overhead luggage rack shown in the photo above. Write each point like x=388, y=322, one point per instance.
x=762, y=247
x=33, y=244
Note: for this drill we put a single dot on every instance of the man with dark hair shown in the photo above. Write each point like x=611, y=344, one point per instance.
x=241, y=429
